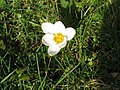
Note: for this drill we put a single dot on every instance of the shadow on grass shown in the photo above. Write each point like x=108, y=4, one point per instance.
x=110, y=46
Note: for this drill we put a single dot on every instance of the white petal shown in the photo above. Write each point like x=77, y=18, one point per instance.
x=59, y=27
x=70, y=32
x=47, y=39
x=63, y=44
x=47, y=27
x=53, y=49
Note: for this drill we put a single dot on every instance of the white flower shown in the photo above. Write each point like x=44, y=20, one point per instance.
x=56, y=36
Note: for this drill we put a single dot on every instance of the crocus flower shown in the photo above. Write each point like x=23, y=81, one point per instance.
x=56, y=36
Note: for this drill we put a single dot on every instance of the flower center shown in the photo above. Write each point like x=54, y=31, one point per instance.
x=58, y=38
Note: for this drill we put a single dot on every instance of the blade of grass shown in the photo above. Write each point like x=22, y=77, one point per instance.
x=7, y=76
x=61, y=79
x=38, y=67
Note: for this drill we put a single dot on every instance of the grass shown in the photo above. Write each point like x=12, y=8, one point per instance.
x=86, y=63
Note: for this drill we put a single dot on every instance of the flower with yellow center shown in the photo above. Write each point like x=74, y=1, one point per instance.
x=56, y=36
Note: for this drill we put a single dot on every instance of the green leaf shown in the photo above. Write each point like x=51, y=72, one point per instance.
x=21, y=70
x=2, y=46
x=2, y=3
x=90, y=61
x=24, y=77
x=64, y=3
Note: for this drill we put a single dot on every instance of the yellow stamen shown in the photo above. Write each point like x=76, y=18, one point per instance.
x=58, y=38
